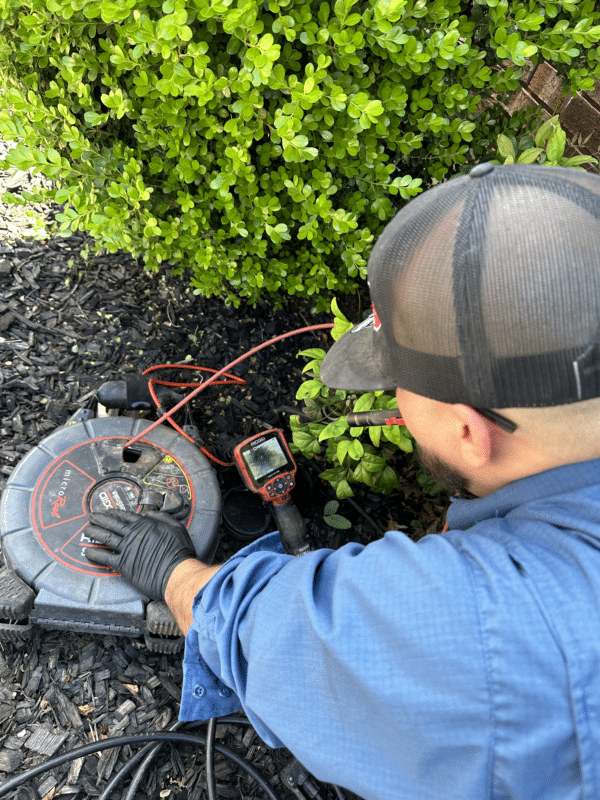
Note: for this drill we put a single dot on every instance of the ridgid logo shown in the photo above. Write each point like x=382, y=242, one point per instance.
x=61, y=498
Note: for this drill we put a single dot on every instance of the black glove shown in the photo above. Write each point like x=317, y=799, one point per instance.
x=144, y=549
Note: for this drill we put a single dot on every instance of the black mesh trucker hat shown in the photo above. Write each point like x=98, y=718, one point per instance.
x=485, y=291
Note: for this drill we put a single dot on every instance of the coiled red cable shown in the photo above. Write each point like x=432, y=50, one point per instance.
x=180, y=384
x=167, y=415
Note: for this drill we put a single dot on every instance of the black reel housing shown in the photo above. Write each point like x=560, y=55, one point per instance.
x=83, y=467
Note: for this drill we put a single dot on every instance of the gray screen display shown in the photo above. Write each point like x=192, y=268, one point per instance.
x=265, y=458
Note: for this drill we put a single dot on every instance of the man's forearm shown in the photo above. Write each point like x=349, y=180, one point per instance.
x=184, y=584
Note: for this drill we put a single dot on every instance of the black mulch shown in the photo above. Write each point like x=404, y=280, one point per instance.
x=64, y=329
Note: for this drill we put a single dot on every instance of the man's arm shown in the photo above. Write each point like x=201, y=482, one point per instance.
x=185, y=582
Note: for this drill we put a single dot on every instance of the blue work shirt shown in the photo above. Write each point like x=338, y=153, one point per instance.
x=464, y=666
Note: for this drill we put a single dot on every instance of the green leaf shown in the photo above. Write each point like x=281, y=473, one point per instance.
x=356, y=450
x=388, y=481
x=342, y=450
x=343, y=490
x=303, y=440
x=333, y=429
x=375, y=434
x=361, y=474
x=309, y=389
x=334, y=475
x=529, y=156
x=13, y=199
x=341, y=324
x=313, y=352
x=505, y=147
x=314, y=367
x=331, y=507
x=93, y=119
x=337, y=521
x=545, y=130
x=556, y=144
x=576, y=161
x=365, y=402
x=394, y=434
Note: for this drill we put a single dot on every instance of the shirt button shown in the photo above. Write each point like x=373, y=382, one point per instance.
x=199, y=691
x=224, y=691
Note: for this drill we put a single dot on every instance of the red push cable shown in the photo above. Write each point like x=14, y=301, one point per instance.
x=157, y=382
x=168, y=414
x=232, y=378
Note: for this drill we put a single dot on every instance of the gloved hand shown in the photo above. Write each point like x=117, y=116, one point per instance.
x=145, y=549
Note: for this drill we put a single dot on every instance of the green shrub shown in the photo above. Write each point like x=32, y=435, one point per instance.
x=355, y=455
x=262, y=145
x=374, y=456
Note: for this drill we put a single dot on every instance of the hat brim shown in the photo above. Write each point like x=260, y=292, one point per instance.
x=355, y=362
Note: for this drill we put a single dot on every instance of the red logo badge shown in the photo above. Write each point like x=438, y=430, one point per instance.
x=376, y=320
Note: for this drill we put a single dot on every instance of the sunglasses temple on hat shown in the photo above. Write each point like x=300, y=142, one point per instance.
x=497, y=419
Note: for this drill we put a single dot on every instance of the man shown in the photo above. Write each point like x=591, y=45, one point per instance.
x=466, y=665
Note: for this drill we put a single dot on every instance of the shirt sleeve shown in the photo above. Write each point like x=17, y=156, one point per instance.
x=207, y=677
x=371, y=656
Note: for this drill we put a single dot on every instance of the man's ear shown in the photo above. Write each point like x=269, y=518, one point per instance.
x=475, y=435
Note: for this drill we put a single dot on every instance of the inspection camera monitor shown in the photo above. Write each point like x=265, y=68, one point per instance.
x=266, y=465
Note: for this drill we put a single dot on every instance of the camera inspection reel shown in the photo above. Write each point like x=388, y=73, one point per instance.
x=84, y=467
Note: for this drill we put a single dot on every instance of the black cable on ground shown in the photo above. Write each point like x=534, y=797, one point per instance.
x=366, y=516
x=106, y=744
x=353, y=503
x=292, y=412
x=142, y=770
x=211, y=781
x=246, y=721
x=150, y=750
x=149, y=753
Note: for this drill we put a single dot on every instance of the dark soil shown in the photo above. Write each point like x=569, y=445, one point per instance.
x=66, y=327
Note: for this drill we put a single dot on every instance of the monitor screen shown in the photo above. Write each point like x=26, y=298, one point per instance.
x=265, y=458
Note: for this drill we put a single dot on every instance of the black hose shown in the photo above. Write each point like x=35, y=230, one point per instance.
x=142, y=770
x=106, y=744
x=116, y=779
x=245, y=721
x=211, y=782
x=152, y=750
x=374, y=418
x=366, y=516
x=293, y=412
x=352, y=502
x=240, y=720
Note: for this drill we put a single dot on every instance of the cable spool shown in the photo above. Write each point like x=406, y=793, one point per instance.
x=82, y=468
x=244, y=515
